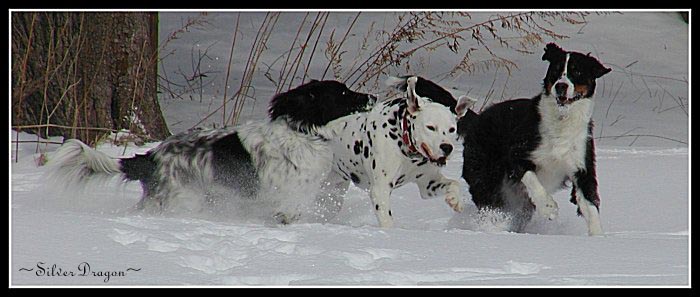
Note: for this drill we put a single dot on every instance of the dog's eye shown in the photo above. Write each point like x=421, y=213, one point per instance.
x=452, y=130
x=430, y=127
x=344, y=93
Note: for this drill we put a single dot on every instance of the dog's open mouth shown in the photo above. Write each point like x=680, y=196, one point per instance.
x=563, y=100
x=441, y=161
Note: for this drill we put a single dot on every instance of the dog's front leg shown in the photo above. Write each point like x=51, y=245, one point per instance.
x=544, y=203
x=380, y=195
x=435, y=185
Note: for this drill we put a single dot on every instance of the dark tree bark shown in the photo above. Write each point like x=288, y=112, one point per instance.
x=89, y=73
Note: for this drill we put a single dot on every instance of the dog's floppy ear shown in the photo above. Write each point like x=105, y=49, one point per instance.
x=412, y=97
x=600, y=70
x=552, y=51
x=464, y=103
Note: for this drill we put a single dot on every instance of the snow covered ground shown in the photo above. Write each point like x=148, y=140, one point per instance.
x=644, y=188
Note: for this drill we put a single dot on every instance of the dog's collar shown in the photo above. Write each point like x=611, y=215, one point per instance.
x=406, y=137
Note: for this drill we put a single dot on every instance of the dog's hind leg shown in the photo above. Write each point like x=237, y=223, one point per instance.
x=589, y=211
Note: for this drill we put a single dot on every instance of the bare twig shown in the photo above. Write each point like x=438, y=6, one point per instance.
x=228, y=69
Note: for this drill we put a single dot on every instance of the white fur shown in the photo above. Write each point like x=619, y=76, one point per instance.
x=590, y=213
x=564, y=78
x=562, y=149
x=544, y=203
x=290, y=167
x=561, y=153
x=75, y=162
x=392, y=168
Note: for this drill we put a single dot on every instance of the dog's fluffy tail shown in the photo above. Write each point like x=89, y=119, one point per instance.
x=75, y=162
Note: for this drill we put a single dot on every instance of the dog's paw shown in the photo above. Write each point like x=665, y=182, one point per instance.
x=455, y=203
x=548, y=208
x=386, y=223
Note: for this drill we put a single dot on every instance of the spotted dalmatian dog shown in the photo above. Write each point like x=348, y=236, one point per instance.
x=400, y=141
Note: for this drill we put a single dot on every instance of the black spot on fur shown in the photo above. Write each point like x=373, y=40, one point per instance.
x=374, y=164
x=366, y=154
x=354, y=178
x=141, y=168
x=233, y=165
x=419, y=175
x=358, y=147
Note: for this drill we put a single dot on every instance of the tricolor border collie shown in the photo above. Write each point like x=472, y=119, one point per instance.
x=517, y=153
x=398, y=142
x=275, y=162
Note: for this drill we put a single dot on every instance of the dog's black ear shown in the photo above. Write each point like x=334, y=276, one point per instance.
x=297, y=104
x=412, y=97
x=552, y=51
x=600, y=70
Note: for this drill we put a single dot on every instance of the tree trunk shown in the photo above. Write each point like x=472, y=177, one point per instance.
x=90, y=73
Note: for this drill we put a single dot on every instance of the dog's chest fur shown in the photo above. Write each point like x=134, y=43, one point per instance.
x=370, y=147
x=562, y=148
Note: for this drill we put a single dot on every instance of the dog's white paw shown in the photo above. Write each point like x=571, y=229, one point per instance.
x=455, y=203
x=386, y=223
x=548, y=208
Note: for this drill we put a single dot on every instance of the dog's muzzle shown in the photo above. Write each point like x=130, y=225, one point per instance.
x=561, y=90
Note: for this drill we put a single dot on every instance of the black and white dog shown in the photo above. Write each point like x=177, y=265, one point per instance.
x=277, y=163
x=398, y=142
x=517, y=153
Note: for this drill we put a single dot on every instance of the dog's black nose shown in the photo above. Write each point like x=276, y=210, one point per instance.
x=561, y=88
x=447, y=148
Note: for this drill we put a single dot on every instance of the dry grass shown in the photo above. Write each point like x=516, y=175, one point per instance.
x=479, y=46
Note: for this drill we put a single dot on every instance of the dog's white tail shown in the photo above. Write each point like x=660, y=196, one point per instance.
x=75, y=162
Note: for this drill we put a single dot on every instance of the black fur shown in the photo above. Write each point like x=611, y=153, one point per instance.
x=318, y=102
x=497, y=145
x=305, y=107
x=141, y=168
x=498, y=142
x=431, y=90
x=233, y=165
